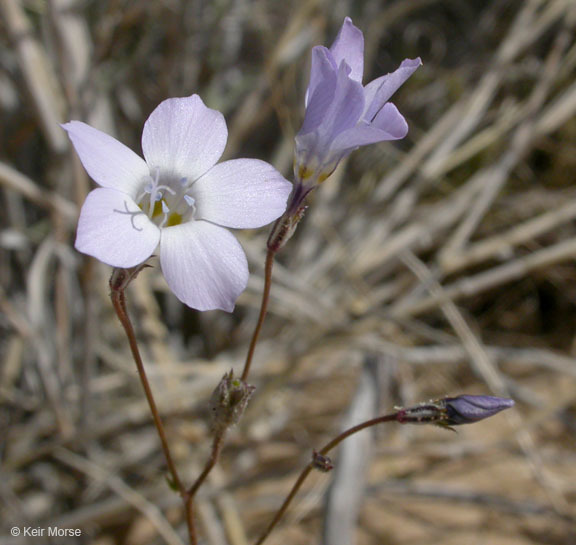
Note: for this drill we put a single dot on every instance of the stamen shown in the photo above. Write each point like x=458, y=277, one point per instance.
x=154, y=188
x=166, y=211
x=190, y=201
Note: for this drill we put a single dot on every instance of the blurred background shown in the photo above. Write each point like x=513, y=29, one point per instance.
x=438, y=265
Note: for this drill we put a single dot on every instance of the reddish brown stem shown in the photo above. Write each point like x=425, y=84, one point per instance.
x=190, y=521
x=119, y=303
x=218, y=440
x=306, y=471
x=217, y=444
x=263, y=309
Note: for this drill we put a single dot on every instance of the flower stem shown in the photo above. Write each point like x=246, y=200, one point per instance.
x=393, y=417
x=218, y=441
x=119, y=304
x=263, y=309
x=190, y=522
x=217, y=444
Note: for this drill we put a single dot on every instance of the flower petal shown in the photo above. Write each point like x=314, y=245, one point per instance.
x=388, y=125
x=391, y=121
x=108, y=162
x=379, y=91
x=113, y=229
x=346, y=107
x=204, y=265
x=243, y=193
x=321, y=89
x=184, y=137
x=322, y=68
x=343, y=112
x=349, y=47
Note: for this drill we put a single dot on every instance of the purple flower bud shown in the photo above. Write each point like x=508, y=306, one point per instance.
x=467, y=409
x=453, y=411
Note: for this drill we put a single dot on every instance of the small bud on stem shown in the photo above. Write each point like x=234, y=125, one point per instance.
x=322, y=463
x=229, y=401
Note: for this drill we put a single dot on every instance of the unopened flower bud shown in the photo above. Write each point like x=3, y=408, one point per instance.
x=467, y=409
x=321, y=462
x=229, y=401
x=453, y=411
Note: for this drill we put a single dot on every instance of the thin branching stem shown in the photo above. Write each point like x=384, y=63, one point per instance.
x=306, y=471
x=190, y=521
x=119, y=304
x=218, y=441
x=263, y=309
x=217, y=444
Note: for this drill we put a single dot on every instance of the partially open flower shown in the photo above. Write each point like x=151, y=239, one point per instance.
x=341, y=114
x=178, y=198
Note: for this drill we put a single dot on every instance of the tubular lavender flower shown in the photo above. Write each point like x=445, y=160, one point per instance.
x=178, y=198
x=341, y=114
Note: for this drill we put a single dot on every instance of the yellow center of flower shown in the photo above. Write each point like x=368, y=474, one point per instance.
x=166, y=202
x=174, y=219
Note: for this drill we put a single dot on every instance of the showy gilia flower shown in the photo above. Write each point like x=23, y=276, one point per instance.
x=177, y=198
x=341, y=114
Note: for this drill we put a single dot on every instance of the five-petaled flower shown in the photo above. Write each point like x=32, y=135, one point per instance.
x=341, y=114
x=178, y=198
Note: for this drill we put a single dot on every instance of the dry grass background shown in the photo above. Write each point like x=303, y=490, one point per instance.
x=438, y=265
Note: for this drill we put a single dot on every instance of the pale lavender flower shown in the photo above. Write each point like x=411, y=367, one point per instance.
x=341, y=114
x=177, y=198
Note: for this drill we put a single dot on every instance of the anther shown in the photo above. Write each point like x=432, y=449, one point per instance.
x=166, y=211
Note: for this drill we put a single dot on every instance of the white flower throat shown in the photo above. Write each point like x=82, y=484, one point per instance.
x=166, y=202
